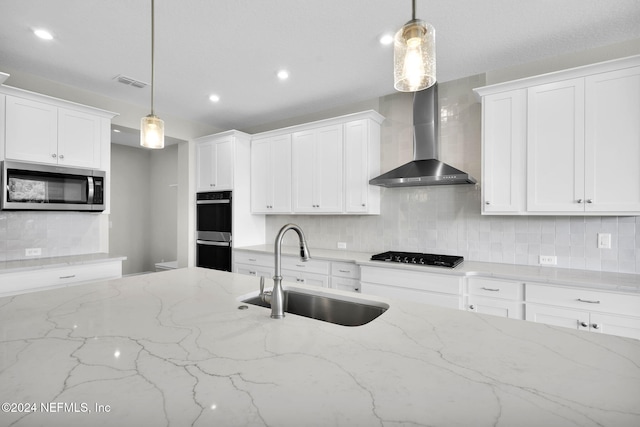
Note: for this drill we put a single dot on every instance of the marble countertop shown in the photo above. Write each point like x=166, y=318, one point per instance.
x=62, y=261
x=617, y=282
x=173, y=349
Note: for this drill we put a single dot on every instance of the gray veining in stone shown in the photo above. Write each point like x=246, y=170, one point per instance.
x=172, y=349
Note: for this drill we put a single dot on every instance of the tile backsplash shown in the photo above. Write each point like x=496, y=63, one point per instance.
x=55, y=233
x=447, y=219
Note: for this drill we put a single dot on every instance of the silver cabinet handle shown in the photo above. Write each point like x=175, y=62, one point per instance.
x=301, y=266
x=68, y=277
x=579, y=200
x=252, y=259
x=491, y=289
x=299, y=280
x=487, y=203
x=54, y=155
x=344, y=271
x=584, y=325
x=61, y=156
x=595, y=326
x=472, y=307
x=253, y=273
x=589, y=200
x=588, y=301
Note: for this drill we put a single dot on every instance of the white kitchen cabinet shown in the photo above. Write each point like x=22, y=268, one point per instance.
x=326, y=170
x=497, y=297
x=58, y=277
x=504, y=118
x=345, y=276
x=582, y=142
x=271, y=174
x=253, y=264
x=317, y=170
x=46, y=133
x=214, y=163
x=425, y=287
x=361, y=163
x=584, y=309
x=555, y=147
x=612, y=141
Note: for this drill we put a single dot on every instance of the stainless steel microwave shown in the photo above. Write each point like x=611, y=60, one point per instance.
x=29, y=186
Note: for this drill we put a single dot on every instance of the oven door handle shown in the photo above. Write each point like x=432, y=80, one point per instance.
x=213, y=202
x=211, y=243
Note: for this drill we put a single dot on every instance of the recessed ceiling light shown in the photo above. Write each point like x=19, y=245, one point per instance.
x=43, y=34
x=386, y=39
x=214, y=98
x=283, y=74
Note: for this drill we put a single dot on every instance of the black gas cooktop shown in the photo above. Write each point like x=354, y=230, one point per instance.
x=449, y=261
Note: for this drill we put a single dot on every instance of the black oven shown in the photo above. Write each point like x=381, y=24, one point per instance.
x=213, y=230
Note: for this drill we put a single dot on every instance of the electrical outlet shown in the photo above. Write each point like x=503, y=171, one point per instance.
x=342, y=245
x=604, y=240
x=32, y=252
x=548, y=260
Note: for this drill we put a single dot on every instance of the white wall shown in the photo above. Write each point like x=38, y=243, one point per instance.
x=143, y=220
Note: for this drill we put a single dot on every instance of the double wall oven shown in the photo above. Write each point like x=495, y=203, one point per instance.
x=213, y=230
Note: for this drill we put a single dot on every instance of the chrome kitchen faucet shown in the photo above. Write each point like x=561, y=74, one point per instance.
x=277, y=294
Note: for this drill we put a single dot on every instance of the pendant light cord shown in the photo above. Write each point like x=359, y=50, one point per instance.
x=152, y=50
x=413, y=10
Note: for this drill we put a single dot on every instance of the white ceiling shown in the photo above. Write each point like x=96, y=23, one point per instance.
x=235, y=47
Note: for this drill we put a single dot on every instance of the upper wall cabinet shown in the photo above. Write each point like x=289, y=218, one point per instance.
x=271, y=174
x=214, y=163
x=47, y=130
x=325, y=171
x=565, y=143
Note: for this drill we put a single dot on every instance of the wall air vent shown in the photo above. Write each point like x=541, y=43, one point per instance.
x=131, y=82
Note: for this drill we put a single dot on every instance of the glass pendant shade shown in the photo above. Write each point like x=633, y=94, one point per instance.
x=414, y=56
x=152, y=132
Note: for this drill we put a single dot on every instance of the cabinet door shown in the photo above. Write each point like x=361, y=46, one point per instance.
x=555, y=147
x=612, y=142
x=205, y=166
x=305, y=278
x=496, y=307
x=223, y=171
x=356, y=166
x=271, y=175
x=317, y=170
x=31, y=131
x=304, y=170
x=615, y=325
x=565, y=317
x=79, y=139
x=503, y=152
x=328, y=170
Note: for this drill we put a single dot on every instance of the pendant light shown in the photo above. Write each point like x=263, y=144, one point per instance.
x=414, y=55
x=151, y=126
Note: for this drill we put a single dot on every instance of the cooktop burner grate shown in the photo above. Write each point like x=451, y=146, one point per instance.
x=448, y=261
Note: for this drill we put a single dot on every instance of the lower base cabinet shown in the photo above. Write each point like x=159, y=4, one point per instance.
x=496, y=297
x=417, y=286
x=584, y=309
x=58, y=277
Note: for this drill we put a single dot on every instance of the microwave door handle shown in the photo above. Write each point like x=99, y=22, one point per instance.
x=90, y=190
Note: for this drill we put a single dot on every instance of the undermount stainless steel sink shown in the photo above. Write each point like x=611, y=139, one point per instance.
x=322, y=307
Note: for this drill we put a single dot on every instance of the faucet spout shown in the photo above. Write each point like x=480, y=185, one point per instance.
x=277, y=295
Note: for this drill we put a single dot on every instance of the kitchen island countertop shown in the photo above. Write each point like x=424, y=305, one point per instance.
x=173, y=349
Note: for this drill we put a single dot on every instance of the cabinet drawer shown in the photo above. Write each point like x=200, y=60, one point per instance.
x=254, y=258
x=412, y=295
x=311, y=266
x=312, y=279
x=25, y=281
x=584, y=299
x=495, y=288
x=254, y=270
x=348, y=270
x=425, y=281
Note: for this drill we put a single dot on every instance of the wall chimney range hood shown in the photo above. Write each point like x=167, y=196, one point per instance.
x=425, y=169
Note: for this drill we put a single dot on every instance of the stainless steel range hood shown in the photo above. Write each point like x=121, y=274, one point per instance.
x=425, y=169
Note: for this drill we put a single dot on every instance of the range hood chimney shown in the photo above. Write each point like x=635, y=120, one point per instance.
x=425, y=169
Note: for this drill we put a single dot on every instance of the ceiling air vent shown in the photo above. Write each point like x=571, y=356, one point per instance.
x=131, y=82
